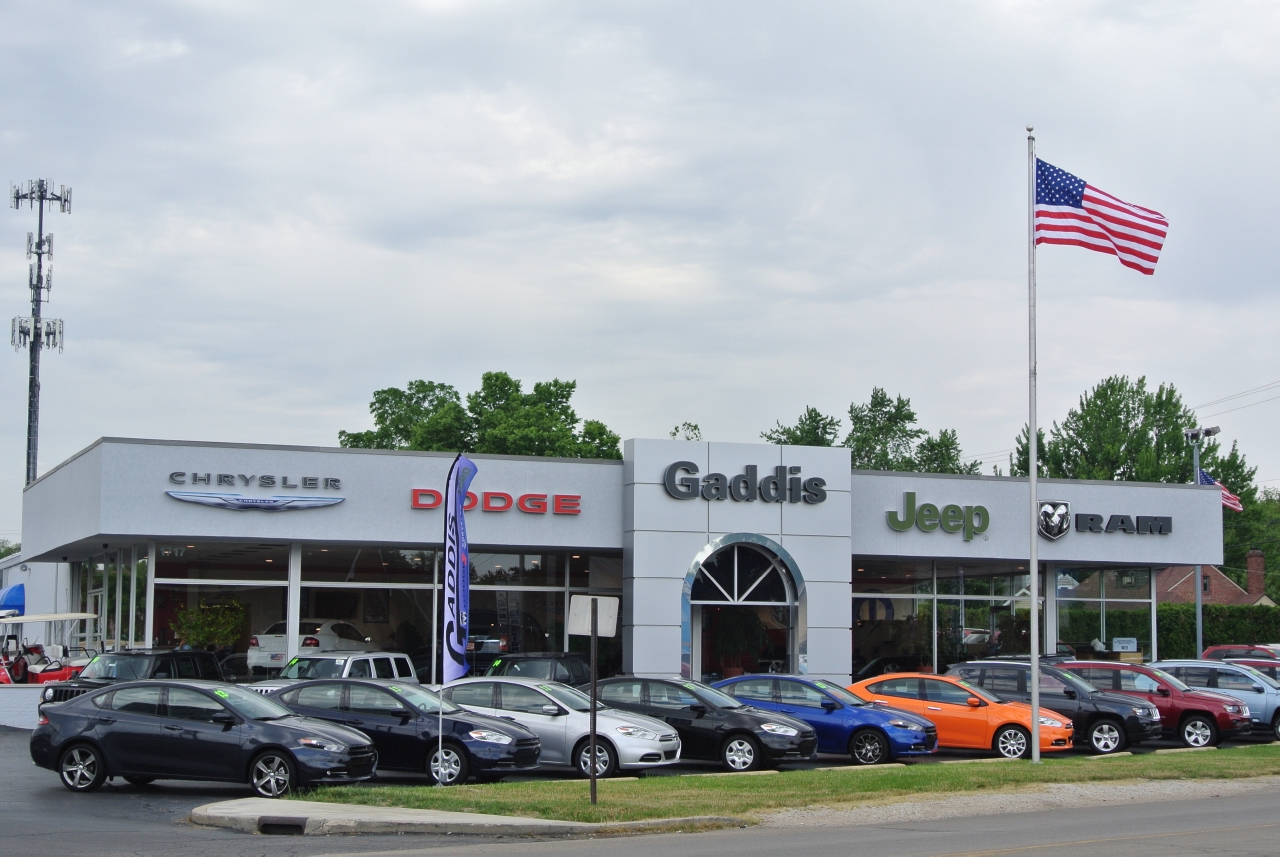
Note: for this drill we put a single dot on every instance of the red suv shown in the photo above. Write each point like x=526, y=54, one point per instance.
x=1221, y=653
x=1198, y=718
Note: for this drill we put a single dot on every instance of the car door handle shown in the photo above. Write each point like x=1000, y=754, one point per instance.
x=106, y=720
x=934, y=707
x=171, y=727
x=355, y=722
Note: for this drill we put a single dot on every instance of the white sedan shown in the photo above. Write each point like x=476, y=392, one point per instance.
x=561, y=715
x=267, y=650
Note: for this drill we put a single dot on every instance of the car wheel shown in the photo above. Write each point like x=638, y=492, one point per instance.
x=1106, y=736
x=272, y=774
x=1275, y=727
x=82, y=768
x=606, y=760
x=448, y=766
x=1198, y=731
x=139, y=781
x=741, y=753
x=1012, y=742
x=868, y=747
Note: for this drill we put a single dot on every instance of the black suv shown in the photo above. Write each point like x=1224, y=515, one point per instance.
x=134, y=665
x=1108, y=721
x=566, y=667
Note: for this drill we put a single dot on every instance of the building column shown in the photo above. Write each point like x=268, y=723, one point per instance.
x=1050, y=615
x=1151, y=576
x=149, y=626
x=133, y=594
x=293, y=618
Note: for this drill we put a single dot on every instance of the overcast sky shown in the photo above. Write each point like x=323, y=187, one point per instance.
x=714, y=212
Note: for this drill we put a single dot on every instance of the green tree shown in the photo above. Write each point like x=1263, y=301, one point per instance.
x=8, y=548
x=219, y=624
x=687, y=431
x=883, y=435
x=1120, y=430
x=499, y=418
x=814, y=428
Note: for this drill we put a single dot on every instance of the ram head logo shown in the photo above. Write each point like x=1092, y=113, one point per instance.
x=1054, y=519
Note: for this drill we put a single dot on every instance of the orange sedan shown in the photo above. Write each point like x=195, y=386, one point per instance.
x=967, y=717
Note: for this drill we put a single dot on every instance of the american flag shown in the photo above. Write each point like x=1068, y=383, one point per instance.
x=1071, y=211
x=1231, y=501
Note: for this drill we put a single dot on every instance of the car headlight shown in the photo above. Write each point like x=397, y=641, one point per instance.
x=48, y=694
x=491, y=736
x=779, y=729
x=325, y=744
x=1049, y=721
x=1153, y=713
x=899, y=723
x=636, y=732
x=1241, y=709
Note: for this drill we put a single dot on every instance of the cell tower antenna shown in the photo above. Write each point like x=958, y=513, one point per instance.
x=34, y=332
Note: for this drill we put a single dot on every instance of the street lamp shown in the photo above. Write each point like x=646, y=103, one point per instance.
x=1194, y=436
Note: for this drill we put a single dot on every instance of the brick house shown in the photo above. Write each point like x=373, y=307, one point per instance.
x=1177, y=584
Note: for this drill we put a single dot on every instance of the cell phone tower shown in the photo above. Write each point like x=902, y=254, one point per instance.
x=33, y=332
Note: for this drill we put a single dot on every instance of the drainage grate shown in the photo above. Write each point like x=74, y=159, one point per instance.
x=274, y=825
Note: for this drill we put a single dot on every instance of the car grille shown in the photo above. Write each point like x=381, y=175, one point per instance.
x=63, y=693
x=527, y=752
x=669, y=754
x=808, y=743
x=362, y=760
x=670, y=736
x=930, y=737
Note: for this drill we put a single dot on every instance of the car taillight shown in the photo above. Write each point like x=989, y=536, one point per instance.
x=504, y=644
x=43, y=721
x=253, y=642
x=310, y=643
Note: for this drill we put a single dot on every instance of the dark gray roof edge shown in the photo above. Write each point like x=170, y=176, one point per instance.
x=281, y=447
x=1042, y=480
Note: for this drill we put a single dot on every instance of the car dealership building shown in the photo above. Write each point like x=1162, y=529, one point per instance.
x=727, y=557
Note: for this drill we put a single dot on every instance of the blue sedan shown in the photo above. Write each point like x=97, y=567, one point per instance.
x=844, y=723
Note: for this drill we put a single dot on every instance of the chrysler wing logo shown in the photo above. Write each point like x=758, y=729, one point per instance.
x=240, y=503
x=1054, y=519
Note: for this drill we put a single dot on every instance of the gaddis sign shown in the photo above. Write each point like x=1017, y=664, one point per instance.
x=784, y=485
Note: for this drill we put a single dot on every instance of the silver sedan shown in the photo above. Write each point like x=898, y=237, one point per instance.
x=561, y=717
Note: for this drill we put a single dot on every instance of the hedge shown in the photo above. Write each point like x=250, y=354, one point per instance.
x=1223, y=625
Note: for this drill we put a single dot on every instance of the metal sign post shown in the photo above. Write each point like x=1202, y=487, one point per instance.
x=593, y=615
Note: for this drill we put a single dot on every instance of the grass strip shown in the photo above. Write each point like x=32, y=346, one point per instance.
x=748, y=797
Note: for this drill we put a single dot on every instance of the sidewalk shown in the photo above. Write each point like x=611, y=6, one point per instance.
x=260, y=815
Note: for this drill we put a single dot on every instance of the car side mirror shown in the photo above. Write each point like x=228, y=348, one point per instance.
x=1163, y=691
x=368, y=639
x=1257, y=688
x=974, y=702
x=552, y=710
x=1069, y=693
x=698, y=708
x=830, y=704
x=226, y=718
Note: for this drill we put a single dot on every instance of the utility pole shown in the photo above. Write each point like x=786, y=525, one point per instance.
x=1194, y=436
x=33, y=332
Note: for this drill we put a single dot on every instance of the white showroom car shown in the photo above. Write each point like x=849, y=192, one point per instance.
x=561, y=716
x=379, y=665
x=267, y=650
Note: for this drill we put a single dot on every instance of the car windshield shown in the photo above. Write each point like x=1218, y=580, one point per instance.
x=532, y=668
x=1076, y=683
x=711, y=696
x=981, y=693
x=424, y=700
x=574, y=700
x=304, y=668
x=248, y=704
x=839, y=693
x=1267, y=681
x=117, y=668
x=303, y=628
x=1176, y=682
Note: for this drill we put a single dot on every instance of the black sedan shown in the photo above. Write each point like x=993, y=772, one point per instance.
x=194, y=730
x=713, y=725
x=403, y=721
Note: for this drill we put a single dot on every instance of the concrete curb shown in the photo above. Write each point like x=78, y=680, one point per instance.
x=1184, y=750
x=975, y=761
x=315, y=818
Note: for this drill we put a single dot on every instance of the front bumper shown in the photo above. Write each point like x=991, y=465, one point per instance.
x=778, y=747
x=1142, y=728
x=353, y=765
x=908, y=742
x=635, y=753
x=522, y=755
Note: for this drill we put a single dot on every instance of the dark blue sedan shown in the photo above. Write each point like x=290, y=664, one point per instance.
x=844, y=723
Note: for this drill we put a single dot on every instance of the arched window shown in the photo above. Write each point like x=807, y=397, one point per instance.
x=742, y=574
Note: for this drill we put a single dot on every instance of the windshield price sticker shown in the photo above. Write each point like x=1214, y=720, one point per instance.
x=821, y=684
x=396, y=689
x=690, y=686
x=548, y=688
x=222, y=693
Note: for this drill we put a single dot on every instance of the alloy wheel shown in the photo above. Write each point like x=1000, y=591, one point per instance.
x=1012, y=744
x=449, y=772
x=1197, y=733
x=271, y=776
x=739, y=754
x=1105, y=737
x=79, y=768
x=868, y=748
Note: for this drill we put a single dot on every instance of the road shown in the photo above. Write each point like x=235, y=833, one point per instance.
x=41, y=817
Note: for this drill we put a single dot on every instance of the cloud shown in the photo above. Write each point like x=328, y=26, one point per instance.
x=720, y=213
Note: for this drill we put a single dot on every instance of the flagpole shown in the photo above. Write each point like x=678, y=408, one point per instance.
x=1033, y=458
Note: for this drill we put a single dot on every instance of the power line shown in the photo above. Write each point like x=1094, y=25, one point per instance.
x=1261, y=389
x=1242, y=407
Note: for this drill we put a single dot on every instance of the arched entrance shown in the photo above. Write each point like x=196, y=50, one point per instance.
x=743, y=600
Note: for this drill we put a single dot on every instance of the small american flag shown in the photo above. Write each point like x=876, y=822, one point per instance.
x=1231, y=501
x=1071, y=211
